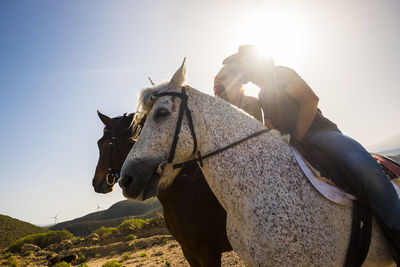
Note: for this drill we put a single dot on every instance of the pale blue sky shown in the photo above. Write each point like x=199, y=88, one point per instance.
x=60, y=61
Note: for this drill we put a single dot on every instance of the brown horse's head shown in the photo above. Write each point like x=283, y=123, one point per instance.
x=114, y=146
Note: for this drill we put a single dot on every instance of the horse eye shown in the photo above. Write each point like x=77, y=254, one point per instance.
x=161, y=113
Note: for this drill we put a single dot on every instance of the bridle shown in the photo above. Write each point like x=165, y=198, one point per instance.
x=184, y=109
x=113, y=175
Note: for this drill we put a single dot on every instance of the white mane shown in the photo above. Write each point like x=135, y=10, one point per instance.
x=145, y=100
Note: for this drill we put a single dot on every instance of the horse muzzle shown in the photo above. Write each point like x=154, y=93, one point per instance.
x=139, y=179
x=100, y=185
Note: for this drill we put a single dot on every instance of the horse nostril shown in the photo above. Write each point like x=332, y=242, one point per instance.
x=125, y=181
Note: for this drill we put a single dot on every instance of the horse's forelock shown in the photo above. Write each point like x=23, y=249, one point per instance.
x=146, y=99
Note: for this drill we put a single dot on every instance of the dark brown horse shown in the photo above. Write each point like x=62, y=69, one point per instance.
x=192, y=213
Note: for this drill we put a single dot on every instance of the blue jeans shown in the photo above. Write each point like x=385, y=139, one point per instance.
x=376, y=188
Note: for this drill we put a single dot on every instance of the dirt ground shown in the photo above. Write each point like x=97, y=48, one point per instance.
x=159, y=250
x=169, y=254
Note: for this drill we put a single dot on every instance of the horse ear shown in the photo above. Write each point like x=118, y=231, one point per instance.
x=105, y=119
x=180, y=75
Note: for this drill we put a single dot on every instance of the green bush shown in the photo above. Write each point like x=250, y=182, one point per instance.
x=130, y=237
x=112, y=253
x=27, y=253
x=136, y=223
x=105, y=231
x=142, y=254
x=62, y=264
x=42, y=240
x=112, y=263
x=81, y=258
x=125, y=256
x=8, y=255
x=83, y=265
x=12, y=262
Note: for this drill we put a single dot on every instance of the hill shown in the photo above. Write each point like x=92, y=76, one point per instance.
x=113, y=216
x=130, y=244
x=12, y=229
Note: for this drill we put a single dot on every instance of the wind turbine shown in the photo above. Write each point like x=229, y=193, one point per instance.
x=55, y=218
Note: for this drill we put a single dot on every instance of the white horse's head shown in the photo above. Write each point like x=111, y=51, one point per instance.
x=145, y=167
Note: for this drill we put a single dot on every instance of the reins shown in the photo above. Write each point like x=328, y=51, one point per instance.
x=184, y=109
x=200, y=157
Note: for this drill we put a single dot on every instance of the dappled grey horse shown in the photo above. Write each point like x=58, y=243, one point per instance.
x=274, y=215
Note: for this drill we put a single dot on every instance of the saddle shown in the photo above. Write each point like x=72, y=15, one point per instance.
x=332, y=179
x=389, y=166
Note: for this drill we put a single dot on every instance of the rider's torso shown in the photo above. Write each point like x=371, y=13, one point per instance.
x=282, y=109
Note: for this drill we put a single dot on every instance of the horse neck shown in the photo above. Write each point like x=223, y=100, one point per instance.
x=221, y=124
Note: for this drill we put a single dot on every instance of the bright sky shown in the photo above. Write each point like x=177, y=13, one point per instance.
x=60, y=61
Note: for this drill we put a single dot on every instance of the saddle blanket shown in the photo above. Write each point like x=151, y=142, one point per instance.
x=326, y=187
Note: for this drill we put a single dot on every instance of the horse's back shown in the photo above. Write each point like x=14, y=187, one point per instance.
x=292, y=222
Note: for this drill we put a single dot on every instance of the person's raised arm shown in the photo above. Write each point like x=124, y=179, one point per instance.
x=308, y=105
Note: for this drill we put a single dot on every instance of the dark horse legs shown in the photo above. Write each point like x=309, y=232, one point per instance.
x=195, y=218
x=207, y=259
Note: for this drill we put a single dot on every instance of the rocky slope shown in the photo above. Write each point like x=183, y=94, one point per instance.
x=149, y=245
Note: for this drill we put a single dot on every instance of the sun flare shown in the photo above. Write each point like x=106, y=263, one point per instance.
x=276, y=34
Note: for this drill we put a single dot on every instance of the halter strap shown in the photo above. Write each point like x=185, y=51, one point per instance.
x=183, y=109
x=114, y=175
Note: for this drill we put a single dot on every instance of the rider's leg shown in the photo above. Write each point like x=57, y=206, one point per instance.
x=377, y=190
